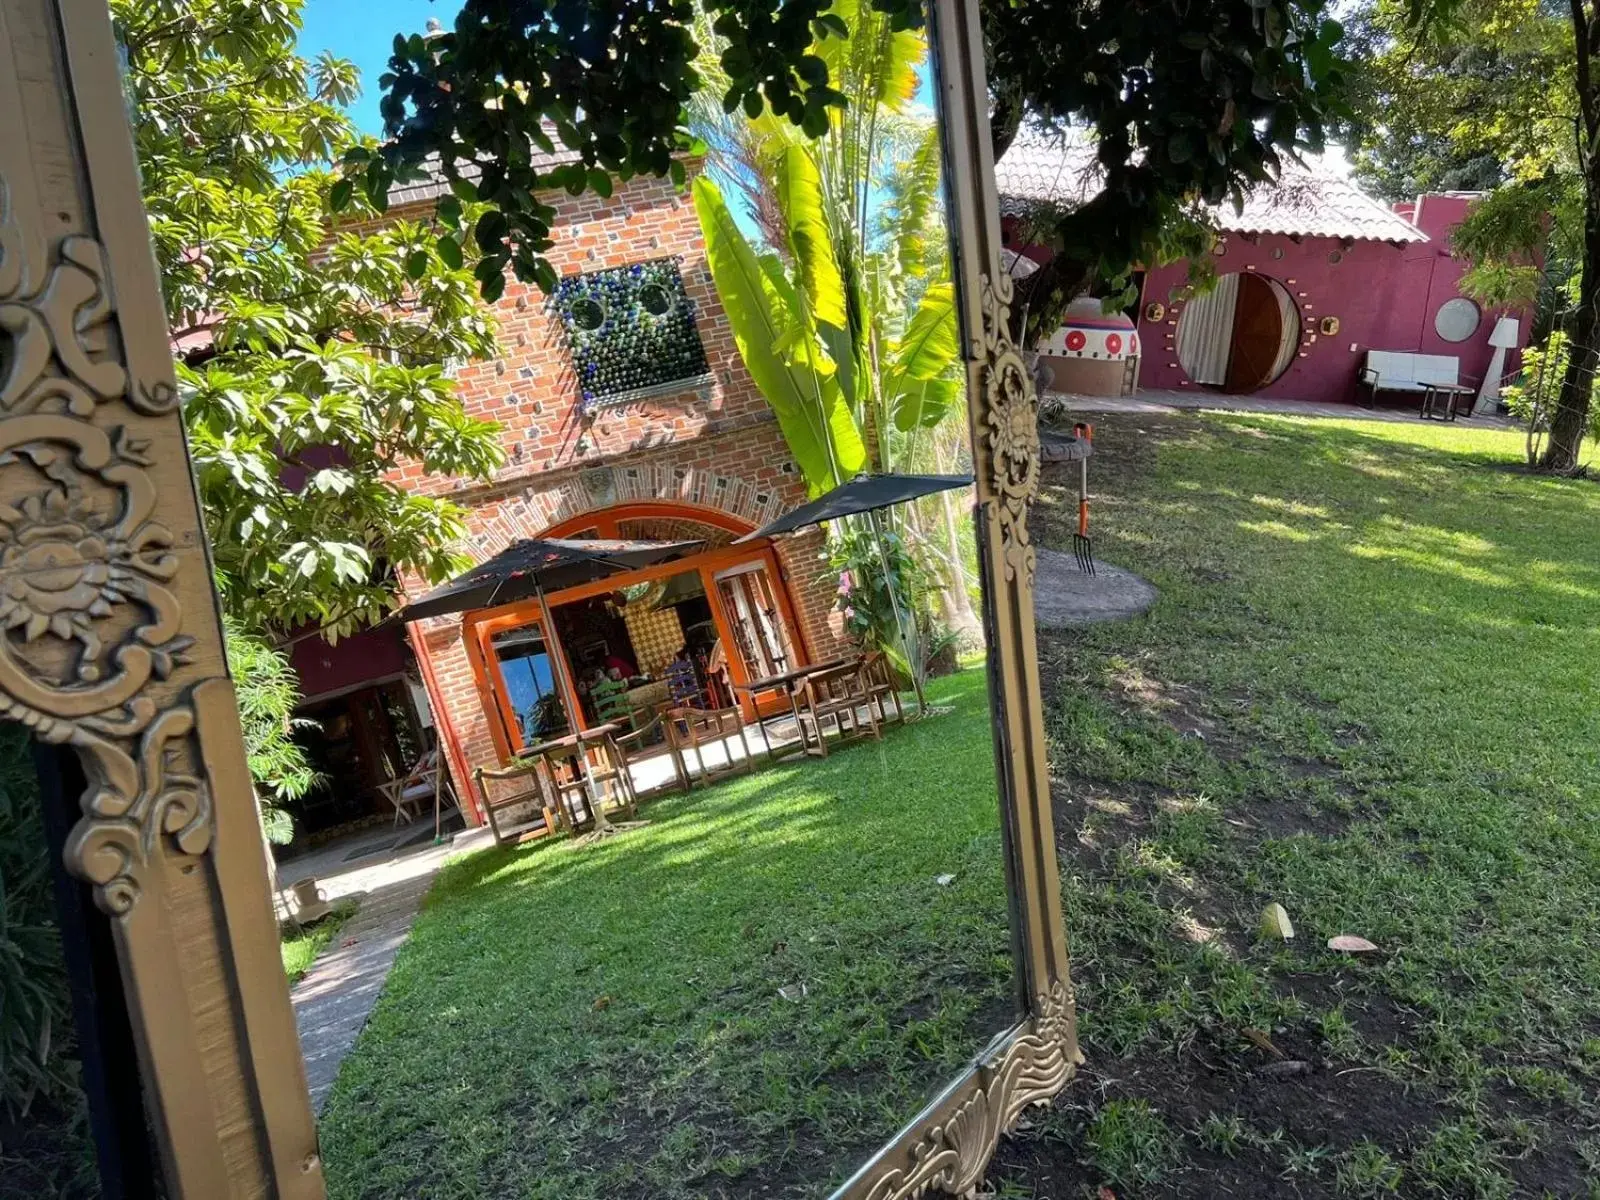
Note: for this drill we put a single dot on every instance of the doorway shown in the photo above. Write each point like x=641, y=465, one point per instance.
x=760, y=635
x=1241, y=336
x=355, y=741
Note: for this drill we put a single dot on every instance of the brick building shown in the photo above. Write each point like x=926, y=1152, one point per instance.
x=691, y=452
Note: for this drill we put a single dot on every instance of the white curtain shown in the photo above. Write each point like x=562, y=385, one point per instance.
x=1289, y=335
x=1205, y=332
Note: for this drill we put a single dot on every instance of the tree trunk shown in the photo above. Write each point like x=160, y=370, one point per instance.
x=1571, y=418
x=958, y=607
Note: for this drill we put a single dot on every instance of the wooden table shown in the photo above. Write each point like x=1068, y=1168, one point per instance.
x=783, y=681
x=571, y=747
x=1445, y=396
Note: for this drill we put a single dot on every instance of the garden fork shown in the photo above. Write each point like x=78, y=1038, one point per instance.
x=1082, y=546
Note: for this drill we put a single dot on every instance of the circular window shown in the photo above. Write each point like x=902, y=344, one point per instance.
x=1240, y=336
x=654, y=300
x=1457, y=319
x=588, y=315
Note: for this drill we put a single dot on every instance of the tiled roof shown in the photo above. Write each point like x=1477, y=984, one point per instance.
x=1306, y=201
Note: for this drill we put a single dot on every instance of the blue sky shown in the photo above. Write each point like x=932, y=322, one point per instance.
x=365, y=35
x=352, y=30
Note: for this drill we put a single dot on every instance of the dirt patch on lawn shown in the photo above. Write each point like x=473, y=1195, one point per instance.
x=1244, y=1123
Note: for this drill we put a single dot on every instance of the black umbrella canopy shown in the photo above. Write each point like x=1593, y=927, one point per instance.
x=533, y=565
x=862, y=494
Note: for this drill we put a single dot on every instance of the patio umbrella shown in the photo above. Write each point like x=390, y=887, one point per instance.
x=863, y=494
x=533, y=566
x=866, y=494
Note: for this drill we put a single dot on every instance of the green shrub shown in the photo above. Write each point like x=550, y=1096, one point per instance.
x=45, y=1147
x=35, y=1013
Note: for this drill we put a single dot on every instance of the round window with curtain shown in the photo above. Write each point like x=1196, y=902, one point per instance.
x=1241, y=335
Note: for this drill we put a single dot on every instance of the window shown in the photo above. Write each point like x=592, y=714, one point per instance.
x=1457, y=319
x=631, y=330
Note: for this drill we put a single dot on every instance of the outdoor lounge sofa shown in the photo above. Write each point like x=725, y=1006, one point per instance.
x=1429, y=377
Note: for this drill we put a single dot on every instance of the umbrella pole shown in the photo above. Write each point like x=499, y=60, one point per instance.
x=913, y=658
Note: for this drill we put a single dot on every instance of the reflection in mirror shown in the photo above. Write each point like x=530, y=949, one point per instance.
x=655, y=851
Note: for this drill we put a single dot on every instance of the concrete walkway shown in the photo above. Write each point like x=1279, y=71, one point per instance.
x=1156, y=400
x=334, y=998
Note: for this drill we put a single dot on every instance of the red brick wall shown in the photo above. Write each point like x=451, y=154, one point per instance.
x=531, y=388
x=713, y=446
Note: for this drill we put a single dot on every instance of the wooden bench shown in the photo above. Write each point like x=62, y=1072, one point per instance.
x=1429, y=377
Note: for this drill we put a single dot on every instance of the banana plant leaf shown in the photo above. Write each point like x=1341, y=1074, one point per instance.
x=781, y=350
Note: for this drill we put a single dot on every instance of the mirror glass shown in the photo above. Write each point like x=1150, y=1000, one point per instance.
x=654, y=852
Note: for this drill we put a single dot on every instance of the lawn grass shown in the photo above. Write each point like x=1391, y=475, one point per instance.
x=1368, y=692
x=301, y=949
x=607, y=1021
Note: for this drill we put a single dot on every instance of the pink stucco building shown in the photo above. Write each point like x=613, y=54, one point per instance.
x=1313, y=274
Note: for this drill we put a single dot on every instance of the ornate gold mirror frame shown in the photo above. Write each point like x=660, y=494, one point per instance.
x=112, y=642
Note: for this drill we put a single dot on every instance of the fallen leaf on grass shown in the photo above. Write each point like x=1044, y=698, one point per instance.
x=1106, y=1193
x=603, y=1003
x=794, y=992
x=1275, y=923
x=1262, y=1040
x=945, y=880
x=1351, y=944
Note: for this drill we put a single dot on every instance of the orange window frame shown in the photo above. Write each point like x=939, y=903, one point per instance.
x=479, y=627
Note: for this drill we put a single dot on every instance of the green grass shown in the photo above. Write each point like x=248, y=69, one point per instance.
x=1368, y=692
x=300, y=950
x=606, y=1021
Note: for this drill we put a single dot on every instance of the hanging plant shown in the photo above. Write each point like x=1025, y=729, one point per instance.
x=629, y=328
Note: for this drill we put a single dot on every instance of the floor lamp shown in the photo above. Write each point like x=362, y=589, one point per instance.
x=1506, y=336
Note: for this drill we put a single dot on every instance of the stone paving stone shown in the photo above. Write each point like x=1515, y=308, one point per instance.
x=335, y=997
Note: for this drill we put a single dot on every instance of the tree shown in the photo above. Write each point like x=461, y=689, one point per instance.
x=313, y=361
x=1188, y=102
x=849, y=288
x=1502, y=88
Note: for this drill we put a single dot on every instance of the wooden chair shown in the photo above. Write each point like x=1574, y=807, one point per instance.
x=651, y=741
x=610, y=697
x=683, y=684
x=413, y=791
x=877, y=679
x=837, y=693
x=605, y=768
x=690, y=729
x=517, y=786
